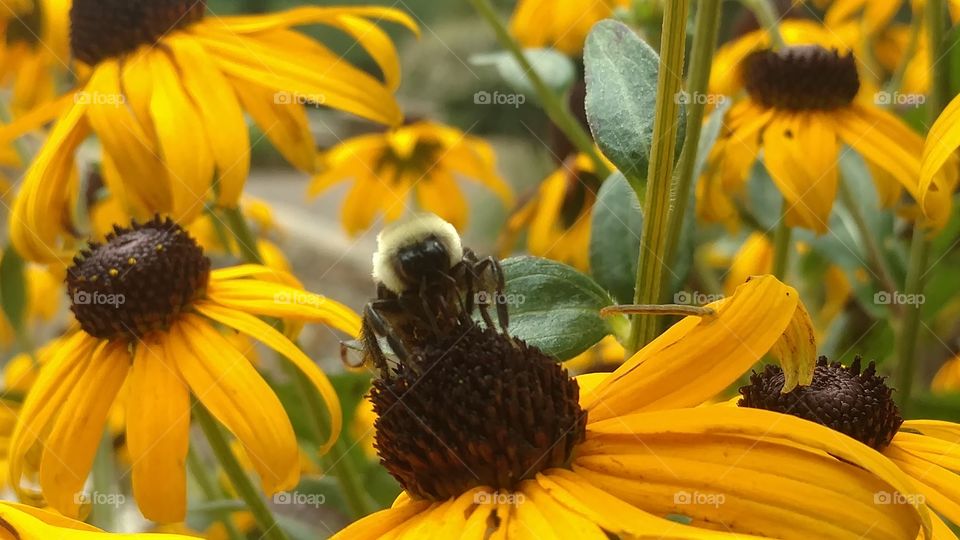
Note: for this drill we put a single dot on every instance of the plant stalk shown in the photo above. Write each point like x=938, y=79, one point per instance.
x=653, y=243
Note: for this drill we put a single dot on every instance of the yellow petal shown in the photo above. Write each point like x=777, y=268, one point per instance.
x=226, y=384
x=699, y=357
x=158, y=433
x=76, y=433
x=254, y=327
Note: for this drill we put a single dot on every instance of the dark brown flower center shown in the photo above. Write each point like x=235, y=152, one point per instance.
x=101, y=29
x=801, y=78
x=139, y=281
x=855, y=403
x=480, y=409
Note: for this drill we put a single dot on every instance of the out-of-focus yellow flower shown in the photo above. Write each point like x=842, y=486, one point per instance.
x=836, y=293
x=947, y=378
x=558, y=216
x=755, y=257
x=34, y=51
x=166, y=92
x=419, y=159
x=603, y=356
x=21, y=522
x=44, y=298
x=561, y=24
x=802, y=103
x=362, y=427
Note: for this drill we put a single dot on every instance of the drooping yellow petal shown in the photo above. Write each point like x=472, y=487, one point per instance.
x=305, y=15
x=22, y=522
x=181, y=135
x=439, y=193
x=752, y=430
x=699, y=357
x=282, y=121
x=284, y=302
x=221, y=115
x=77, y=431
x=158, y=432
x=800, y=151
x=67, y=362
x=223, y=380
x=43, y=208
x=254, y=327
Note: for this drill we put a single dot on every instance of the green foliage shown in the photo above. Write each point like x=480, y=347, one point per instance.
x=615, y=237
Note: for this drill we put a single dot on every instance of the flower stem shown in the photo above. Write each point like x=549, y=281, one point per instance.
x=920, y=244
x=336, y=460
x=913, y=41
x=553, y=104
x=103, y=513
x=653, y=243
x=781, y=245
x=266, y=522
x=766, y=14
x=701, y=60
x=210, y=491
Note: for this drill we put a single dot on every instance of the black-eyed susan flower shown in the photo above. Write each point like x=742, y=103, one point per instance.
x=495, y=440
x=561, y=24
x=33, y=51
x=803, y=102
x=557, y=219
x=21, y=522
x=420, y=160
x=858, y=403
x=150, y=311
x=166, y=90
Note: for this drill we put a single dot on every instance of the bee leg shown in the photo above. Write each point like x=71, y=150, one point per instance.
x=482, y=296
x=493, y=266
x=463, y=315
x=375, y=325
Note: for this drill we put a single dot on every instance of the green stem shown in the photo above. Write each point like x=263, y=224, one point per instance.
x=266, y=522
x=878, y=262
x=781, y=245
x=920, y=244
x=553, y=104
x=210, y=491
x=104, y=486
x=766, y=14
x=653, y=243
x=336, y=459
x=701, y=61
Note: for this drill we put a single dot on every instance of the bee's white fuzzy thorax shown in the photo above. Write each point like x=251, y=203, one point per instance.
x=404, y=233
